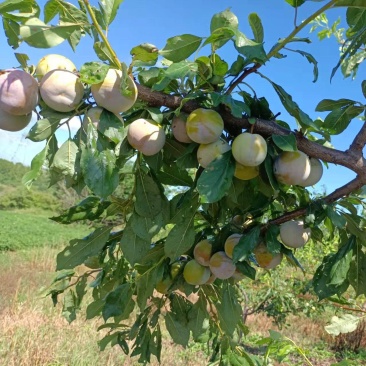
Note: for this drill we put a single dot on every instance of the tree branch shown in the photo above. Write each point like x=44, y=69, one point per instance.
x=359, y=141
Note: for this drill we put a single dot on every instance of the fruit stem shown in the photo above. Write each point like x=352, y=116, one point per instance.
x=113, y=54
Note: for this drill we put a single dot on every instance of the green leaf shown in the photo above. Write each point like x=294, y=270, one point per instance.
x=354, y=3
x=272, y=243
x=80, y=249
x=331, y=104
x=173, y=176
x=181, y=69
x=246, y=269
x=251, y=50
x=237, y=66
x=285, y=142
x=339, y=119
x=109, y=10
x=22, y=59
x=36, y=168
x=182, y=236
x=69, y=306
x=219, y=37
x=65, y=158
x=43, y=129
x=224, y=19
x=12, y=31
x=93, y=72
x=148, y=197
x=215, y=180
x=346, y=323
x=356, y=18
x=331, y=276
x=146, y=227
x=292, y=107
x=119, y=302
x=133, y=247
x=111, y=126
x=40, y=35
x=100, y=171
x=179, y=48
x=198, y=318
x=311, y=60
x=145, y=52
x=246, y=244
x=363, y=86
x=295, y=3
x=89, y=208
x=357, y=273
x=257, y=27
x=229, y=310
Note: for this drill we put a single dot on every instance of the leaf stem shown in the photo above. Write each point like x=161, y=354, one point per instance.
x=95, y=23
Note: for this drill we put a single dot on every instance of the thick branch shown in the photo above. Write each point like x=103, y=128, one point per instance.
x=359, y=141
x=343, y=191
x=265, y=128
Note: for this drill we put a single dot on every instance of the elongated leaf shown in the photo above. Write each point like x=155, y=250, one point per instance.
x=109, y=10
x=357, y=273
x=292, y=107
x=100, y=171
x=174, y=176
x=285, y=142
x=347, y=323
x=80, y=249
x=257, y=27
x=12, y=31
x=65, y=158
x=246, y=244
x=348, y=3
x=219, y=37
x=88, y=209
x=146, y=227
x=148, y=197
x=119, y=302
x=331, y=104
x=36, y=168
x=363, y=86
x=228, y=309
x=251, y=50
x=181, y=69
x=339, y=119
x=133, y=247
x=198, y=318
x=40, y=35
x=311, y=60
x=215, y=180
x=272, y=243
x=43, y=129
x=179, y=48
x=331, y=276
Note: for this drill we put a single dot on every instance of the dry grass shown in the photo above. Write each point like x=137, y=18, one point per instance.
x=33, y=333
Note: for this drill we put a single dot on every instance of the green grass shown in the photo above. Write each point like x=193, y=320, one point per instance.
x=24, y=230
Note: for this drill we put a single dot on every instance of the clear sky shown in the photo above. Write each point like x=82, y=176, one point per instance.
x=140, y=21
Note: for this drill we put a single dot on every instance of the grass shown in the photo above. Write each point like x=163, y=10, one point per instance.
x=34, y=333
x=26, y=229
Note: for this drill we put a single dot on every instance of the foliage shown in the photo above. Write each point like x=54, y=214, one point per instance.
x=140, y=233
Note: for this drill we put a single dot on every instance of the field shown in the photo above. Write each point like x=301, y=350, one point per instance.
x=35, y=334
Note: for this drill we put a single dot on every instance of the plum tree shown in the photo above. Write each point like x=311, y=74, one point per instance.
x=254, y=191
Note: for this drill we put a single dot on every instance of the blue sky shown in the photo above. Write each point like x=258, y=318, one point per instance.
x=140, y=21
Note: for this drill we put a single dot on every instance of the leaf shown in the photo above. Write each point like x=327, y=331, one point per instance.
x=36, y=168
x=331, y=104
x=331, y=276
x=257, y=27
x=146, y=227
x=145, y=52
x=246, y=270
x=148, y=197
x=253, y=51
x=179, y=48
x=363, y=86
x=354, y=3
x=346, y=323
x=69, y=306
x=311, y=60
x=339, y=119
x=40, y=35
x=292, y=107
x=133, y=247
x=111, y=126
x=100, y=171
x=215, y=180
x=109, y=10
x=357, y=273
x=173, y=176
x=80, y=249
x=229, y=310
x=246, y=244
x=198, y=318
x=182, y=236
x=285, y=142
x=89, y=208
x=295, y=3
x=219, y=37
x=272, y=243
x=356, y=18
x=178, y=332
x=12, y=30
x=43, y=129
x=93, y=72
x=65, y=158
x=181, y=69
x=119, y=302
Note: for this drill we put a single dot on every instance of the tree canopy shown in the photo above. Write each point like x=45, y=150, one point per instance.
x=177, y=126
